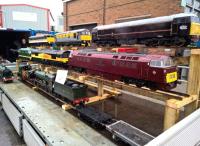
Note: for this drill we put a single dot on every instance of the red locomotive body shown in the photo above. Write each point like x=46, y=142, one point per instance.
x=153, y=71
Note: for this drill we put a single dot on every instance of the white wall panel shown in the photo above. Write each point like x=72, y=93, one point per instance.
x=31, y=138
x=13, y=114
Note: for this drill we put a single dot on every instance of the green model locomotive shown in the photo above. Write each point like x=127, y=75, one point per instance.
x=6, y=74
x=71, y=91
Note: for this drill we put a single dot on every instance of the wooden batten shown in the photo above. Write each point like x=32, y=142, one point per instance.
x=194, y=73
x=98, y=98
x=173, y=107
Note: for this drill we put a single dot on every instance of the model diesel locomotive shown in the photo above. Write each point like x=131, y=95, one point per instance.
x=174, y=30
x=6, y=74
x=80, y=37
x=74, y=92
x=46, y=56
x=42, y=39
x=153, y=71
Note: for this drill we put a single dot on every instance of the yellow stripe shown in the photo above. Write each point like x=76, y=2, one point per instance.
x=63, y=60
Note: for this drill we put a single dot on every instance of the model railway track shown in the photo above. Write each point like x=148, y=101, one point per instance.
x=128, y=87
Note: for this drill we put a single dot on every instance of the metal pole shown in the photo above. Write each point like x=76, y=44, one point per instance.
x=104, y=12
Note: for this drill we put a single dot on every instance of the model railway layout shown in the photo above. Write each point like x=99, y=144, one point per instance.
x=123, y=80
x=66, y=92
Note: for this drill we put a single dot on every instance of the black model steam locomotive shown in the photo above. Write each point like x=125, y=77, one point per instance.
x=175, y=30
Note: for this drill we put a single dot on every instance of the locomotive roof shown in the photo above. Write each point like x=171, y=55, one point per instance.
x=42, y=35
x=50, y=51
x=27, y=49
x=110, y=54
x=145, y=21
x=73, y=31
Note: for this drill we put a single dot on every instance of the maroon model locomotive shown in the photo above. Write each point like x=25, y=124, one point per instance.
x=153, y=71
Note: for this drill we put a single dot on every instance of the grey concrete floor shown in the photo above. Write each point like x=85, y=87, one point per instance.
x=8, y=135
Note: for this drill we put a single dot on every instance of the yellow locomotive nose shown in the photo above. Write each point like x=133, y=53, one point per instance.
x=195, y=29
x=171, y=77
x=86, y=37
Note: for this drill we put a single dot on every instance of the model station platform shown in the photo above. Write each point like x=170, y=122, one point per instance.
x=42, y=122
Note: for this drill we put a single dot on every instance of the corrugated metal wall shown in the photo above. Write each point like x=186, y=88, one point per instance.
x=25, y=17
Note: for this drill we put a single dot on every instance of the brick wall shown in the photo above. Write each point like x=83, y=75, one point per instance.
x=90, y=11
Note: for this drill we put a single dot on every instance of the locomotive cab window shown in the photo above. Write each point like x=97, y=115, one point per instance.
x=83, y=33
x=195, y=19
x=66, y=54
x=53, y=56
x=168, y=62
x=162, y=63
x=86, y=33
x=156, y=63
x=75, y=35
